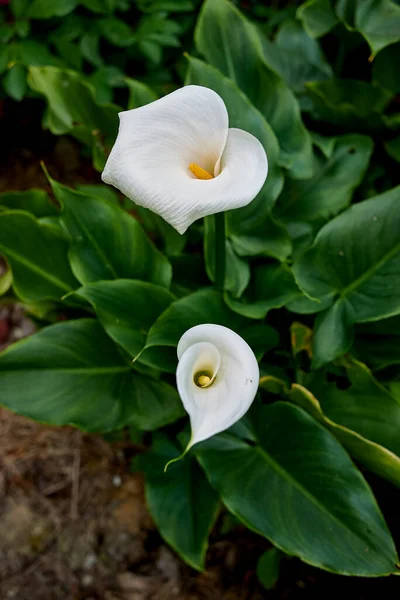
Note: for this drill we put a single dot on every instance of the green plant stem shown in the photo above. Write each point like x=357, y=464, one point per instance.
x=219, y=250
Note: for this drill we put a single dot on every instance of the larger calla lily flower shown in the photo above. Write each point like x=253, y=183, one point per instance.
x=217, y=379
x=178, y=157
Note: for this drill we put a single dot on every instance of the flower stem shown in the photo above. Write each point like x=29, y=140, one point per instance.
x=219, y=232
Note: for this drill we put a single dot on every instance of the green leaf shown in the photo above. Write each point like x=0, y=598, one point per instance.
x=305, y=306
x=73, y=26
x=167, y=5
x=70, y=53
x=72, y=104
x=296, y=56
x=72, y=100
x=19, y=8
x=318, y=494
x=72, y=373
x=248, y=221
x=268, y=568
x=106, y=192
x=127, y=309
x=317, y=17
x=22, y=28
x=377, y=20
x=272, y=286
x=116, y=31
x=14, y=82
x=204, y=306
x=355, y=261
x=4, y=56
x=237, y=270
x=182, y=503
x=300, y=338
x=385, y=68
x=35, y=201
x=331, y=188
x=272, y=239
x=349, y=103
x=32, y=53
x=37, y=255
x=378, y=344
x=139, y=93
x=151, y=51
x=365, y=418
x=90, y=48
x=393, y=148
x=173, y=242
x=6, y=278
x=107, y=242
x=46, y=9
x=333, y=335
x=99, y=6
x=104, y=80
x=232, y=44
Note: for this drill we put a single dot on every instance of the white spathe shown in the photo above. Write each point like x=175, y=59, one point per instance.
x=156, y=143
x=225, y=365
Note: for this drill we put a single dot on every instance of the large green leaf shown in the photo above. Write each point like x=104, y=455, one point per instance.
x=377, y=20
x=299, y=488
x=365, y=407
x=72, y=373
x=34, y=201
x=332, y=185
x=37, y=255
x=349, y=103
x=317, y=17
x=296, y=56
x=354, y=263
x=73, y=109
x=272, y=286
x=242, y=114
x=205, y=306
x=364, y=418
x=182, y=503
x=232, y=44
x=107, y=242
x=127, y=309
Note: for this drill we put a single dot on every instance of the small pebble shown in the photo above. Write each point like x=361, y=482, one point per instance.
x=89, y=561
x=117, y=481
x=87, y=580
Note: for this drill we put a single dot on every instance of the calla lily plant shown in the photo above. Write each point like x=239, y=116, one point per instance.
x=178, y=157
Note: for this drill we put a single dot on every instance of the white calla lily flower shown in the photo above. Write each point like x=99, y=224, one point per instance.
x=178, y=157
x=217, y=379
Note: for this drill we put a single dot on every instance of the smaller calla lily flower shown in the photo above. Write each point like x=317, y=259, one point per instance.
x=217, y=379
x=178, y=157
